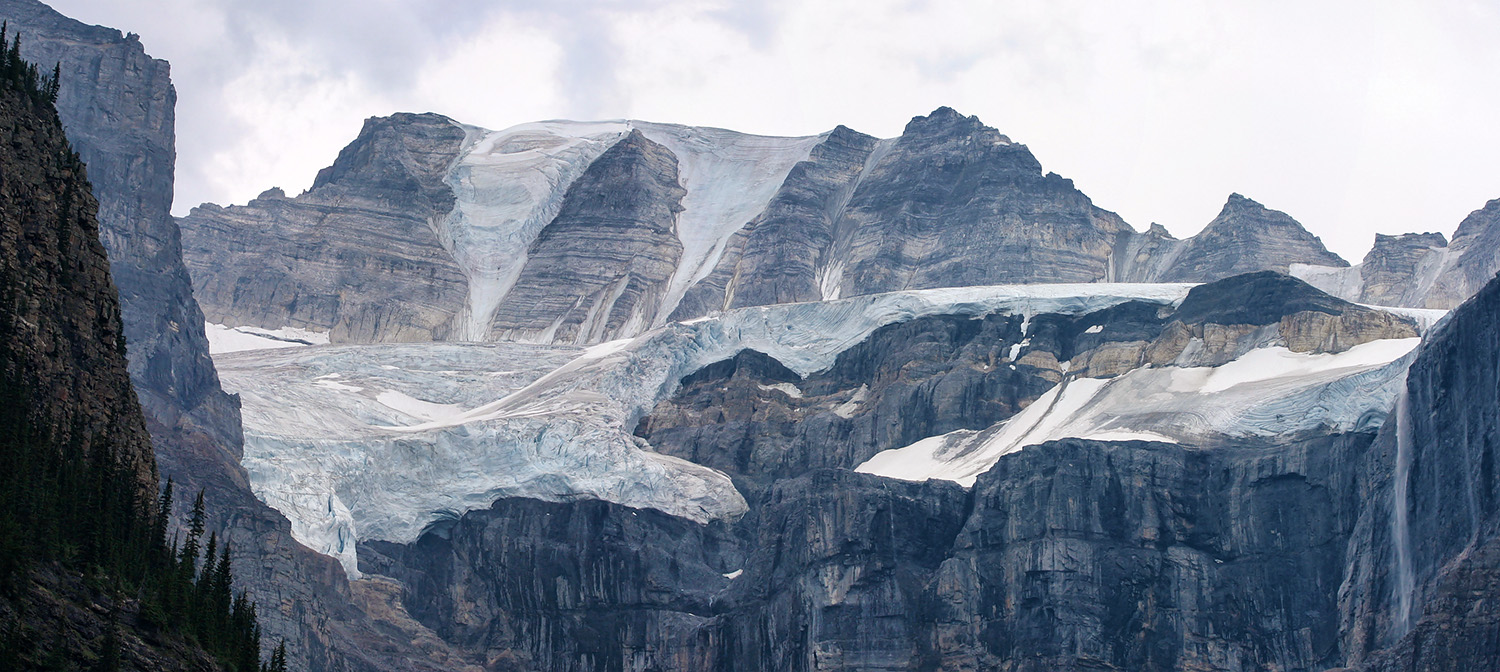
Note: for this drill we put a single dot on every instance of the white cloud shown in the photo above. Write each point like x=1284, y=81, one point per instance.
x=1354, y=117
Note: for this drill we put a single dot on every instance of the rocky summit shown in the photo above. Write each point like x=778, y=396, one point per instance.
x=635, y=396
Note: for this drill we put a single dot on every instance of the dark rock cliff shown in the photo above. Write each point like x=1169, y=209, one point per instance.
x=63, y=339
x=951, y=186
x=71, y=427
x=117, y=105
x=1420, y=593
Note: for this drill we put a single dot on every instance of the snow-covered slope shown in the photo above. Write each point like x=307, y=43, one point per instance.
x=376, y=442
x=1266, y=392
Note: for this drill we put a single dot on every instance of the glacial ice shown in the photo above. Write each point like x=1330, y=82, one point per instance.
x=729, y=178
x=366, y=442
x=509, y=184
x=1265, y=392
x=398, y=451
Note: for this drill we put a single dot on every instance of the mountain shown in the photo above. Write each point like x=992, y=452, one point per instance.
x=78, y=481
x=117, y=105
x=1420, y=270
x=627, y=395
x=570, y=232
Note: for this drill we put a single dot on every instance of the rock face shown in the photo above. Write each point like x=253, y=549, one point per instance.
x=63, y=367
x=951, y=186
x=1419, y=593
x=1246, y=237
x=425, y=229
x=1390, y=274
x=1420, y=270
x=781, y=255
x=612, y=242
x=76, y=452
x=117, y=105
x=367, y=221
x=648, y=591
x=758, y=421
x=1084, y=555
x=1468, y=263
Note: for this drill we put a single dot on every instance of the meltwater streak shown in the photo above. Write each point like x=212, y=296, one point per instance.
x=1405, y=584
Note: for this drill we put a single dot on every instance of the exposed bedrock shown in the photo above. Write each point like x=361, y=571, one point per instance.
x=779, y=256
x=1246, y=237
x=1391, y=272
x=830, y=573
x=1425, y=562
x=758, y=421
x=613, y=245
x=357, y=255
x=1072, y=555
x=951, y=187
x=117, y=105
x=1133, y=556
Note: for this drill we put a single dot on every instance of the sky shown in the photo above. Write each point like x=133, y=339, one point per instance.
x=1354, y=117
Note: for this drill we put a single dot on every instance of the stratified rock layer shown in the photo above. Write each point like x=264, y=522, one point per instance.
x=952, y=187
x=425, y=229
x=612, y=244
x=1246, y=237
x=357, y=256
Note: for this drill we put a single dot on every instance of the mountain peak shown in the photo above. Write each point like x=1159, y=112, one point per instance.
x=1247, y=236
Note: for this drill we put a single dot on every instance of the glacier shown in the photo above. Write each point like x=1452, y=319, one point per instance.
x=376, y=442
x=509, y=184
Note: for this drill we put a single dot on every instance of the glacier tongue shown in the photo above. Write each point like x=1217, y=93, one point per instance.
x=371, y=442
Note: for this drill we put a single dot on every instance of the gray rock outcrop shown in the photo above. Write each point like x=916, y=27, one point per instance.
x=1246, y=237
x=371, y=254
x=116, y=103
x=955, y=203
x=358, y=255
x=1425, y=559
x=1391, y=272
x=612, y=245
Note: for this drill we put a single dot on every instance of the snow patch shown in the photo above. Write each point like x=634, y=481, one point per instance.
x=1265, y=392
x=222, y=339
x=788, y=389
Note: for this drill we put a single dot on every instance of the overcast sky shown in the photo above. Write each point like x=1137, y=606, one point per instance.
x=1354, y=117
